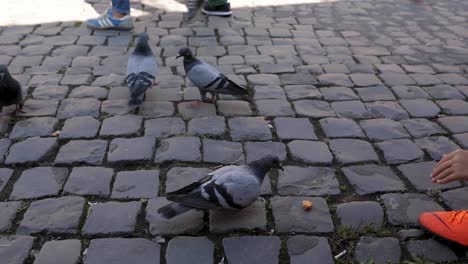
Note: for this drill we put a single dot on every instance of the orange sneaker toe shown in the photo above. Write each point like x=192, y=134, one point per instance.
x=449, y=225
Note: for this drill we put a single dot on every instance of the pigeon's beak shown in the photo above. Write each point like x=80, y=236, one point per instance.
x=178, y=56
x=280, y=167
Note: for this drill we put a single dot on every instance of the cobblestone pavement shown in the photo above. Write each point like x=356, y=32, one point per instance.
x=359, y=98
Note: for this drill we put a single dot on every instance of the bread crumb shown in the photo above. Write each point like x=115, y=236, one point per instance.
x=307, y=205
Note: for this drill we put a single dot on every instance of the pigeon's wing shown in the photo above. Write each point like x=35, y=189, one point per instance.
x=137, y=64
x=203, y=75
x=195, y=200
x=187, y=189
x=238, y=188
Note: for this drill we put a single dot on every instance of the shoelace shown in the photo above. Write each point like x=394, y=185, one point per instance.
x=458, y=215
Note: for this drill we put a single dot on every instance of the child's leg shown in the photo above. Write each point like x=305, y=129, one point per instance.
x=121, y=7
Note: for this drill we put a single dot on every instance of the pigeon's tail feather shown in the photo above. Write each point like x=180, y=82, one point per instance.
x=173, y=209
x=135, y=100
x=237, y=89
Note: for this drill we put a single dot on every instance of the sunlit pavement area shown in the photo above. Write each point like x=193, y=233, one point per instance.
x=359, y=98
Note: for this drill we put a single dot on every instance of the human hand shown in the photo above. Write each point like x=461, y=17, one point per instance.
x=452, y=167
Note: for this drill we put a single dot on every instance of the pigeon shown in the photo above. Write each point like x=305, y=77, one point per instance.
x=142, y=68
x=10, y=90
x=209, y=79
x=230, y=187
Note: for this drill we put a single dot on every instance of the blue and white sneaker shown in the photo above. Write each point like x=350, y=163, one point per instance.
x=106, y=21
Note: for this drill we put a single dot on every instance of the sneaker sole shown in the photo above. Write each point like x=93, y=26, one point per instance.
x=111, y=28
x=217, y=13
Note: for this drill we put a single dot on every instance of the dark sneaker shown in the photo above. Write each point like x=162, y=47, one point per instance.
x=222, y=10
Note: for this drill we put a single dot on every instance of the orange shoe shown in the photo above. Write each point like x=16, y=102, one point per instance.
x=451, y=225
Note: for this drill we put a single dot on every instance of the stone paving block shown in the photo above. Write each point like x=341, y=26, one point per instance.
x=45, y=79
x=5, y=175
x=257, y=150
x=31, y=150
x=444, y=92
x=274, y=108
x=431, y=250
x=419, y=176
x=338, y=94
x=50, y=92
x=8, y=211
x=249, y=128
x=263, y=92
x=400, y=151
x=124, y=125
x=53, y=215
x=186, y=250
x=156, y=109
x=123, y=250
x=32, y=127
x=362, y=79
x=405, y=209
x=382, y=250
x=225, y=152
x=296, y=92
x=410, y=92
x=454, y=79
x=294, y=128
x=59, y=252
x=375, y=93
x=313, y=108
x=310, y=151
x=136, y=184
x=352, y=150
x=250, y=218
x=252, y=249
x=164, y=127
x=82, y=152
x=80, y=127
x=335, y=79
x=15, y=249
x=89, y=181
x=39, y=182
x=179, y=149
x=420, y=107
x=309, y=181
x=396, y=79
x=360, y=214
x=178, y=177
x=263, y=79
x=210, y=126
x=76, y=79
x=340, y=127
x=462, y=139
x=131, y=149
x=436, y=146
x=425, y=79
x=309, y=249
x=117, y=107
x=290, y=216
x=188, y=111
x=111, y=218
x=350, y=109
x=79, y=107
x=456, y=199
x=387, y=109
x=419, y=127
x=368, y=179
x=455, y=124
x=4, y=145
x=454, y=107
x=89, y=92
x=234, y=108
x=188, y=223
x=40, y=107
x=308, y=79
x=381, y=129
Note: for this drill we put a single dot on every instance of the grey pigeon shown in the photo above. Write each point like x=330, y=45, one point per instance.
x=142, y=68
x=10, y=90
x=209, y=79
x=230, y=187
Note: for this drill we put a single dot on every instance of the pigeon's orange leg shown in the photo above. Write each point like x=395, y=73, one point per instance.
x=196, y=104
